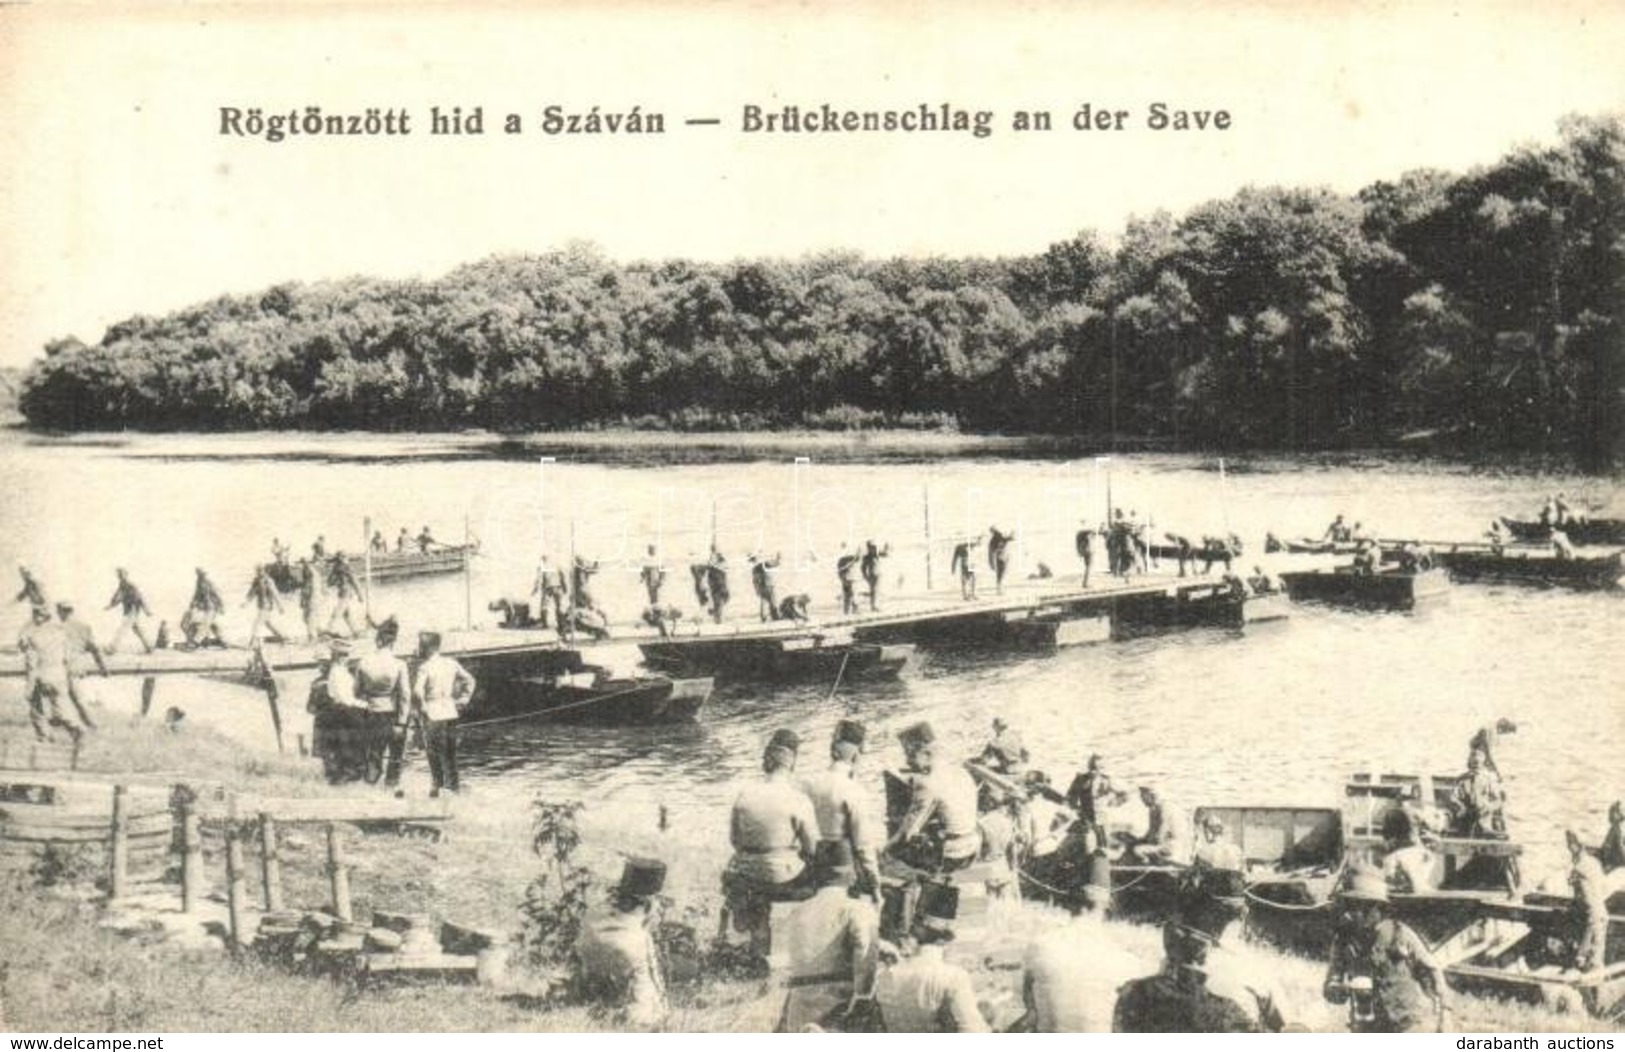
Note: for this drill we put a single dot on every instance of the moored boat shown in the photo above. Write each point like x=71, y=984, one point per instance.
x=1540, y=568
x=1585, y=531
x=560, y=686
x=1389, y=589
x=776, y=655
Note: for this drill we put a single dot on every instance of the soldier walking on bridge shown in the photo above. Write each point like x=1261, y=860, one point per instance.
x=132, y=607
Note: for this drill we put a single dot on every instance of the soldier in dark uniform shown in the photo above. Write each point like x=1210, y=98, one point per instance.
x=201, y=623
x=998, y=555
x=716, y=584
x=653, y=577
x=763, y=581
x=1088, y=793
x=1204, y=986
x=869, y=565
x=1379, y=967
x=133, y=607
x=962, y=565
x=31, y=592
x=1612, y=852
x=617, y=964
x=1085, y=543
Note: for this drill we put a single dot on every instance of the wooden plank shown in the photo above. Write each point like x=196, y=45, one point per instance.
x=400, y=963
x=63, y=818
x=70, y=835
x=317, y=809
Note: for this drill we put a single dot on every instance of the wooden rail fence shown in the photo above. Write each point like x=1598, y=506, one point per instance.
x=135, y=833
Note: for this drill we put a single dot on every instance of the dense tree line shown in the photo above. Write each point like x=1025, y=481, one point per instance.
x=1484, y=306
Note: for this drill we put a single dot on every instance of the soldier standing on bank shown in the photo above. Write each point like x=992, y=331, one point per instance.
x=1379, y=967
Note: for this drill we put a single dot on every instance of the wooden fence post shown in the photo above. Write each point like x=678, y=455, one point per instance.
x=191, y=850
x=236, y=889
x=338, y=873
x=119, y=851
x=270, y=864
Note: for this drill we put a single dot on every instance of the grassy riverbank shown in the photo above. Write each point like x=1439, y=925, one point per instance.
x=77, y=976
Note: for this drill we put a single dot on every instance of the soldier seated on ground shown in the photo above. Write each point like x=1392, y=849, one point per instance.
x=774, y=832
x=1262, y=583
x=832, y=941
x=938, y=832
x=1071, y=971
x=617, y=966
x=921, y=993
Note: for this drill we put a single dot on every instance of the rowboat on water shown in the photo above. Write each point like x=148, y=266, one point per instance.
x=387, y=566
x=1309, y=546
x=1388, y=589
x=1587, y=531
x=1533, y=567
x=779, y=655
x=558, y=685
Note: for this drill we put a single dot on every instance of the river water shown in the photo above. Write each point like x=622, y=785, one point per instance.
x=1278, y=715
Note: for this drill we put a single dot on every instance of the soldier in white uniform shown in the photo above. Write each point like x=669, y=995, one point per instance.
x=832, y=940
x=618, y=966
x=774, y=832
x=923, y=993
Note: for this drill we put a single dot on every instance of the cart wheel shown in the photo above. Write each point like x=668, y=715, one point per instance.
x=1563, y=1000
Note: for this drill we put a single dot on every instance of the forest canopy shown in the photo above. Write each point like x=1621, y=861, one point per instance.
x=1482, y=307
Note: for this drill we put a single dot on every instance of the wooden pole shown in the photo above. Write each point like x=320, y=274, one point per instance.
x=338, y=874
x=271, y=694
x=926, y=496
x=191, y=850
x=119, y=851
x=572, y=575
x=270, y=864
x=366, y=566
x=236, y=887
x=468, y=578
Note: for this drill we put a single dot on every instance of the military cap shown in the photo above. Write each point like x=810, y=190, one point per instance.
x=917, y=734
x=850, y=731
x=642, y=877
x=785, y=738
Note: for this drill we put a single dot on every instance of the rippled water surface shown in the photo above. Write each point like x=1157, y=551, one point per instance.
x=1278, y=715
